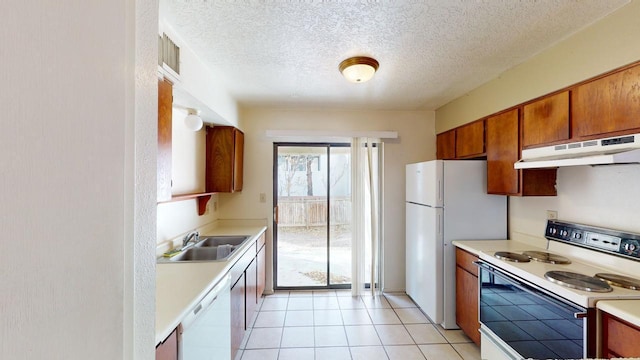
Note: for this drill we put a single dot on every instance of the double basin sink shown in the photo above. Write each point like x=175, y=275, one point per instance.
x=209, y=248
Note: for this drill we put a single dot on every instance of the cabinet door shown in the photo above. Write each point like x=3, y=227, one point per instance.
x=251, y=290
x=225, y=151
x=446, y=145
x=607, y=105
x=502, y=152
x=470, y=140
x=262, y=271
x=467, y=304
x=165, y=103
x=237, y=315
x=168, y=349
x=619, y=338
x=238, y=160
x=546, y=120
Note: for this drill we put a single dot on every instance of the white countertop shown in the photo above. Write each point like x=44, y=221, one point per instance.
x=628, y=310
x=180, y=286
x=477, y=247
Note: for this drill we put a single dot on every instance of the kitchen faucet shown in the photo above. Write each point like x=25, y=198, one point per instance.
x=192, y=235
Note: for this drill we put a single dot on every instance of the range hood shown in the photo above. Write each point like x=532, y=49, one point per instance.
x=613, y=150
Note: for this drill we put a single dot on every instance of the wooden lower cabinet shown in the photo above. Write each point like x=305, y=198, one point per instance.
x=168, y=349
x=620, y=339
x=246, y=292
x=261, y=258
x=251, y=300
x=237, y=315
x=467, y=295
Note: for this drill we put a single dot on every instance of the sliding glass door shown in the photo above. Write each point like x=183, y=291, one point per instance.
x=312, y=216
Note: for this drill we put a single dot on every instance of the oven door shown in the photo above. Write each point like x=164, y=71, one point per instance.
x=528, y=321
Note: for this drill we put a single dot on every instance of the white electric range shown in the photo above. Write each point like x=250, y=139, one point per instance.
x=535, y=309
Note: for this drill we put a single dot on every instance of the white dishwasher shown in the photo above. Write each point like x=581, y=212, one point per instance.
x=206, y=331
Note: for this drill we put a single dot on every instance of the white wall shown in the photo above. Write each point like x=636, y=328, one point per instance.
x=188, y=155
x=604, y=196
x=198, y=86
x=415, y=143
x=79, y=114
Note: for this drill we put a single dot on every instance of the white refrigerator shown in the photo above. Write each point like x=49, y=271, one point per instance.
x=446, y=201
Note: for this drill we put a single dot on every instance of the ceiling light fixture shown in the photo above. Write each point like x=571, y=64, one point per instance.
x=358, y=69
x=193, y=121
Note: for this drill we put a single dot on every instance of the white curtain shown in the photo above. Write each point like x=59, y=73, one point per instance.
x=366, y=165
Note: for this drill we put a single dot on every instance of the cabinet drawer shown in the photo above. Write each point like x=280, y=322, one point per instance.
x=465, y=260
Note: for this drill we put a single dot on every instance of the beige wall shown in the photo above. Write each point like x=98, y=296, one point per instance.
x=607, y=44
x=604, y=196
x=415, y=143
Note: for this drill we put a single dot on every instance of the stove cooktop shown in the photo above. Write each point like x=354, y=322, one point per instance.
x=578, y=281
x=620, y=280
x=535, y=255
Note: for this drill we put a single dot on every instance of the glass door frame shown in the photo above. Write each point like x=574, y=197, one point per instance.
x=327, y=146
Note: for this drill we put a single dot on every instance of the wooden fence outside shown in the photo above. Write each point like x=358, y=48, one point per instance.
x=312, y=211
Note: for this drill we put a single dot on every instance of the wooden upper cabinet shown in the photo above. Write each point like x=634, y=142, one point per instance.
x=502, y=152
x=610, y=104
x=470, y=140
x=446, y=145
x=165, y=102
x=225, y=152
x=546, y=121
x=503, y=132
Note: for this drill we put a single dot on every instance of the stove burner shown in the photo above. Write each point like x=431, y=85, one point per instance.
x=620, y=280
x=578, y=281
x=511, y=256
x=546, y=257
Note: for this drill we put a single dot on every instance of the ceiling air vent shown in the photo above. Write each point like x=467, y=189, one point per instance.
x=168, y=53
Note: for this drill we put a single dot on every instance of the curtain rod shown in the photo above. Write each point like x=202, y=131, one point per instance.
x=330, y=134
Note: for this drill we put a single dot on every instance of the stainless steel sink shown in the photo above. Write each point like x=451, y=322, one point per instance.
x=207, y=249
x=209, y=253
x=234, y=240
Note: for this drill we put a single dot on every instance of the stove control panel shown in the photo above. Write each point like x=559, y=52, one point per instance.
x=606, y=240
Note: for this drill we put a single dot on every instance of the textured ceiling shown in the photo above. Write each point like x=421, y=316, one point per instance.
x=286, y=52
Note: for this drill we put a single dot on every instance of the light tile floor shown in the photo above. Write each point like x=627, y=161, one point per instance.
x=318, y=325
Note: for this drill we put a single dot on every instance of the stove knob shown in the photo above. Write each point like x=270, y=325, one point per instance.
x=630, y=247
x=577, y=235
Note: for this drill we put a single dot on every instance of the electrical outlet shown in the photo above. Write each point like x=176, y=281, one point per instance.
x=263, y=197
x=552, y=214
